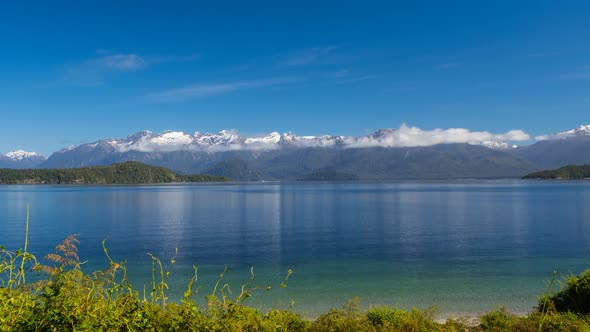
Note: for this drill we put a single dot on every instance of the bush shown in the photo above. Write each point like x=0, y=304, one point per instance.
x=498, y=321
x=348, y=319
x=401, y=320
x=553, y=322
x=16, y=310
x=574, y=297
x=501, y=320
x=283, y=320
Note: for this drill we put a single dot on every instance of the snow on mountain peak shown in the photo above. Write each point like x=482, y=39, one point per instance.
x=272, y=138
x=20, y=155
x=67, y=148
x=224, y=140
x=497, y=145
x=583, y=130
x=224, y=137
x=288, y=137
x=172, y=137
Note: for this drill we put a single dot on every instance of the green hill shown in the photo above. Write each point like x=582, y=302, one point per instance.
x=131, y=172
x=571, y=172
x=235, y=168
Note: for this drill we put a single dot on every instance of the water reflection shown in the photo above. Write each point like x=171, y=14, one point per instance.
x=383, y=240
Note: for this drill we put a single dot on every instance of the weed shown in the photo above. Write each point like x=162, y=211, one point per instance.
x=65, y=299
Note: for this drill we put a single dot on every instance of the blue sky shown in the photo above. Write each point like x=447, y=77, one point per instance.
x=73, y=73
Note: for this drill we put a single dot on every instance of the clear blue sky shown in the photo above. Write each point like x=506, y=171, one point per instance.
x=73, y=73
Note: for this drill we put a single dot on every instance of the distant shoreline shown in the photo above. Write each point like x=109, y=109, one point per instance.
x=309, y=182
x=566, y=173
x=122, y=173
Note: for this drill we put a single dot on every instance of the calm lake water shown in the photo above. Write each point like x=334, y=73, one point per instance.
x=464, y=246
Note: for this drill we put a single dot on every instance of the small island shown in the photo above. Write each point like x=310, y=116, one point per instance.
x=571, y=172
x=130, y=172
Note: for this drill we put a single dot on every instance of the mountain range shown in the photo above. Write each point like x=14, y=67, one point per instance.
x=402, y=153
x=21, y=159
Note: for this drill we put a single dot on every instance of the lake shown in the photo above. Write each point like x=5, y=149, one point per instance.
x=463, y=246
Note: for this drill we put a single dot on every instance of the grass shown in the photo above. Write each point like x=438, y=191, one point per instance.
x=65, y=299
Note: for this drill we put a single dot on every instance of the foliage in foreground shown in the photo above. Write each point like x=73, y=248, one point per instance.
x=574, y=295
x=66, y=299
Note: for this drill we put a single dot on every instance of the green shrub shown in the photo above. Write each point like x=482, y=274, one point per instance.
x=574, y=297
x=457, y=325
x=16, y=310
x=283, y=320
x=240, y=318
x=553, y=322
x=401, y=320
x=499, y=320
x=348, y=319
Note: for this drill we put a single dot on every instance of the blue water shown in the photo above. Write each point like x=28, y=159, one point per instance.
x=463, y=246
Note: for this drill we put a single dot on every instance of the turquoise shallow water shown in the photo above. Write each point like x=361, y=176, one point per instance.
x=464, y=246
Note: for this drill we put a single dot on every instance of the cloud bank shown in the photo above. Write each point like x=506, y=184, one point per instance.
x=407, y=136
x=225, y=140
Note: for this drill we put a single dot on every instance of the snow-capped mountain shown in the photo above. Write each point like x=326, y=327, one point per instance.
x=272, y=138
x=389, y=153
x=21, y=159
x=380, y=154
x=581, y=131
x=226, y=140
x=20, y=155
x=571, y=147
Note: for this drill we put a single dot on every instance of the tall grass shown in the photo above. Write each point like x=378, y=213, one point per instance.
x=65, y=299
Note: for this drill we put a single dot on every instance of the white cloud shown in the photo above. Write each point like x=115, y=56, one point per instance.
x=544, y=137
x=513, y=136
x=407, y=136
x=227, y=140
x=308, y=56
x=121, y=62
x=194, y=91
x=95, y=72
x=347, y=76
x=205, y=90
